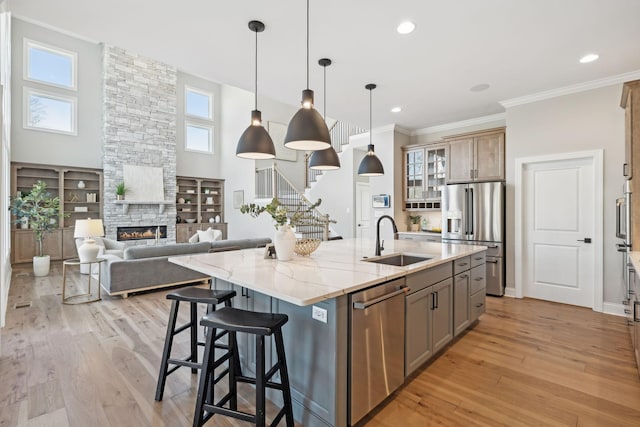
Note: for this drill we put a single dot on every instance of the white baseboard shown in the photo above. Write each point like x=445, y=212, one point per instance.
x=613, y=308
x=510, y=292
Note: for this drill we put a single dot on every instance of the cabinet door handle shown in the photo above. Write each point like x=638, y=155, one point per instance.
x=624, y=169
x=478, y=258
x=493, y=262
x=433, y=301
x=477, y=279
x=479, y=305
x=462, y=277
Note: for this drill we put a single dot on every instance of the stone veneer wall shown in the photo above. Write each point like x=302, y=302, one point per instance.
x=139, y=129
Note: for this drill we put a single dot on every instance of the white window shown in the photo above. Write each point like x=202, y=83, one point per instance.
x=198, y=137
x=198, y=103
x=49, y=112
x=199, y=126
x=50, y=65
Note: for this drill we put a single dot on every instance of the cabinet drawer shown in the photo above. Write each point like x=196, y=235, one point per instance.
x=478, y=278
x=477, y=259
x=477, y=305
x=462, y=264
x=425, y=278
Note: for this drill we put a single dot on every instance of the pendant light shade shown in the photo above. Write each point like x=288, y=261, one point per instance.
x=307, y=130
x=328, y=159
x=370, y=164
x=255, y=142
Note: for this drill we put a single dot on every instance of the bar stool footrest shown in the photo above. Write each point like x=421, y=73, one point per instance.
x=229, y=413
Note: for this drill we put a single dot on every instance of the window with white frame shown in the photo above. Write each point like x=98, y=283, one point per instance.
x=49, y=112
x=198, y=128
x=50, y=65
x=198, y=138
x=54, y=109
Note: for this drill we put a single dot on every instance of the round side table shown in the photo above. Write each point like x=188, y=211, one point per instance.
x=77, y=299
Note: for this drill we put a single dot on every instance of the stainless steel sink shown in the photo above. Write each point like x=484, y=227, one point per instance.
x=399, y=260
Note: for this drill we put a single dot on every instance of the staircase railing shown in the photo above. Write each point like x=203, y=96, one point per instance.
x=340, y=133
x=271, y=183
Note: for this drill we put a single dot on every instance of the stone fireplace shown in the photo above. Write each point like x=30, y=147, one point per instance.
x=139, y=130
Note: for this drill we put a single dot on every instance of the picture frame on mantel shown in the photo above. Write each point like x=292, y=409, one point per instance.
x=277, y=131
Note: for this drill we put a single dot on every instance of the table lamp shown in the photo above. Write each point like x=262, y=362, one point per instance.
x=88, y=229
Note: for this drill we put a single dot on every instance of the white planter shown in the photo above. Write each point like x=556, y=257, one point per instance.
x=285, y=242
x=41, y=265
x=24, y=223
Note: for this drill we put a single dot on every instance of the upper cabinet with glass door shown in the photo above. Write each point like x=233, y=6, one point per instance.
x=424, y=176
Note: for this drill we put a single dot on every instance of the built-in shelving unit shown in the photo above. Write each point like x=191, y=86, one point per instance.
x=80, y=192
x=199, y=205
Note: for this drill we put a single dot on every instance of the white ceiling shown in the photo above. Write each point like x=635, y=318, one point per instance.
x=519, y=47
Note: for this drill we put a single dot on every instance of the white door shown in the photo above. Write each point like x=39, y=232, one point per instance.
x=363, y=209
x=559, y=201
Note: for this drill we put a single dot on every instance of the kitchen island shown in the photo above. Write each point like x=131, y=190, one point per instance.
x=315, y=293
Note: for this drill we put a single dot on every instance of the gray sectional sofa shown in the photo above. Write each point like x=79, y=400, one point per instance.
x=147, y=267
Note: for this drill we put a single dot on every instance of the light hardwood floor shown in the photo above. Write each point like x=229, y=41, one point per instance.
x=526, y=362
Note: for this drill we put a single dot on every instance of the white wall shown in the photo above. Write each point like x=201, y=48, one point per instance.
x=5, y=158
x=583, y=121
x=337, y=192
x=83, y=150
x=384, y=142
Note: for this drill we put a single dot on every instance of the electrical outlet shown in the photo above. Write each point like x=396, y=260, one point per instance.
x=319, y=314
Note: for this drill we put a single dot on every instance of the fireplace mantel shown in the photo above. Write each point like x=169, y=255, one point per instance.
x=125, y=204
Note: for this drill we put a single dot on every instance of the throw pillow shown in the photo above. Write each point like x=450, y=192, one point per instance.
x=194, y=238
x=209, y=235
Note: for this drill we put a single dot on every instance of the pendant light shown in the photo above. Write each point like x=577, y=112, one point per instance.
x=255, y=142
x=328, y=159
x=307, y=130
x=370, y=164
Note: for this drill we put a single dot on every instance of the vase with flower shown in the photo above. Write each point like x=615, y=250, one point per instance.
x=284, y=240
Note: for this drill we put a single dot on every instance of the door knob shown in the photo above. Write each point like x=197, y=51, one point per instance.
x=586, y=240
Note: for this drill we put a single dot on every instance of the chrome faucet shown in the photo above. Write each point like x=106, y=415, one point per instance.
x=380, y=246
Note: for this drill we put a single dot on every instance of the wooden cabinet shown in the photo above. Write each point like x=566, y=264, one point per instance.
x=199, y=200
x=477, y=291
x=428, y=323
x=424, y=176
x=461, y=309
x=80, y=193
x=631, y=103
x=476, y=157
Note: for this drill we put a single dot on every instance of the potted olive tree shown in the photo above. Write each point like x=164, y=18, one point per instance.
x=42, y=212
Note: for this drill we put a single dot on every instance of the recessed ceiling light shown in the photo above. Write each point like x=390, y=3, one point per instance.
x=406, y=27
x=589, y=58
x=396, y=109
x=480, y=87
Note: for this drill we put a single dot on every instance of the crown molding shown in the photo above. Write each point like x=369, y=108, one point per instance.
x=568, y=90
x=460, y=124
x=56, y=29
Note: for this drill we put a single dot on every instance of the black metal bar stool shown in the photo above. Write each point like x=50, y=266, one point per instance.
x=193, y=296
x=234, y=320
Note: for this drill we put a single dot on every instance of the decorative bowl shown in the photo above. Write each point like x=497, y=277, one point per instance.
x=306, y=246
x=190, y=220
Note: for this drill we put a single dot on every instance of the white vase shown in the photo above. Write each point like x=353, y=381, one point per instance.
x=24, y=223
x=41, y=265
x=285, y=242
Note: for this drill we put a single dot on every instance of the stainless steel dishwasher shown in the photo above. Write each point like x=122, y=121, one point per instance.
x=377, y=346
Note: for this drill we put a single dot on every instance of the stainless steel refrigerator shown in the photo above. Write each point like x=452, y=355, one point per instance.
x=475, y=214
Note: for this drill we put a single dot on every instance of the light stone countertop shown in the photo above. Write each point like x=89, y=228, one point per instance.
x=335, y=268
